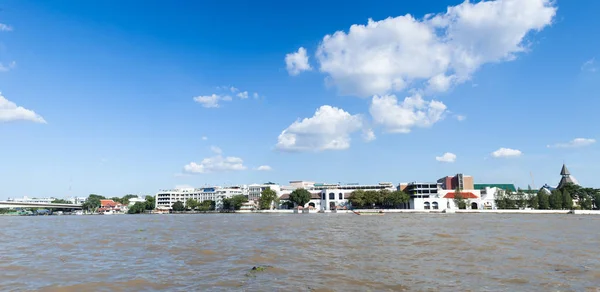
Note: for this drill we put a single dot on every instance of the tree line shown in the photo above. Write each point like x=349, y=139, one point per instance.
x=559, y=199
x=378, y=199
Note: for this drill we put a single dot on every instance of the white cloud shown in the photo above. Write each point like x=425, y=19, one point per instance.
x=297, y=62
x=255, y=95
x=577, y=142
x=264, y=168
x=233, y=89
x=204, y=138
x=9, y=112
x=216, y=150
x=243, y=95
x=589, y=65
x=401, y=117
x=369, y=135
x=441, y=49
x=328, y=129
x=461, y=118
x=5, y=27
x=211, y=101
x=447, y=157
x=217, y=163
x=6, y=68
x=506, y=152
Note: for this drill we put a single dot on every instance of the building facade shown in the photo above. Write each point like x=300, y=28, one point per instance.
x=255, y=190
x=459, y=181
x=166, y=198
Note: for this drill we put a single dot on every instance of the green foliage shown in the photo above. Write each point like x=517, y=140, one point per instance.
x=459, y=200
x=382, y=198
x=92, y=203
x=532, y=201
x=288, y=205
x=150, y=202
x=556, y=200
x=543, y=200
x=567, y=201
x=125, y=199
x=61, y=201
x=137, y=208
x=207, y=205
x=234, y=203
x=395, y=199
x=191, y=204
x=267, y=197
x=300, y=197
x=178, y=206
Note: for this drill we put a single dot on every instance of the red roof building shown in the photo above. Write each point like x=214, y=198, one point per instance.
x=465, y=195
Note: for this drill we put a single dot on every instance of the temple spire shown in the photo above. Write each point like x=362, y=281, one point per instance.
x=564, y=171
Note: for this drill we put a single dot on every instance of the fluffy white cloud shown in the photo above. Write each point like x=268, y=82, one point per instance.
x=6, y=68
x=215, y=163
x=441, y=49
x=369, y=135
x=264, y=168
x=446, y=157
x=5, y=27
x=255, y=95
x=461, y=118
x=401, y=117
x=589, y=65
x=211, y=101
x=9, y=112
x=577, y=142
x=297, y=62
x=243, y=95
x=329, y=129
x=506, y=152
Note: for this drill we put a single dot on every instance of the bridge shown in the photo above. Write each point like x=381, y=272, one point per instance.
x=5, y=204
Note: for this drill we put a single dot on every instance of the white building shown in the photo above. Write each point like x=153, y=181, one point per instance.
x=77, y=200
x=26, y=199
x=137, y=199
x=255, y=190
x=166, y=198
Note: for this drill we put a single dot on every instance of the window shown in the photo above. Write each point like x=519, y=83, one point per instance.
x=341, y=197
x=427, y=206
x=435, y=205
x=331, y=196
x=323, y=196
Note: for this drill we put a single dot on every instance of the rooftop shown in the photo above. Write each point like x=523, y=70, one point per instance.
x=510, y=187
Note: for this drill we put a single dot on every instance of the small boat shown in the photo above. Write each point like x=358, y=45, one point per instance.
x=375, y=213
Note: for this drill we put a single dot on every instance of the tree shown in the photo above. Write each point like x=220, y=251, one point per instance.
x=459, y=200
x=137, y=208
x=300, y=197
x=372, y=198
x=61, y=201
x=234, y=203
x=357, y=198
x=521, y=200
x=556, y=200
x=92, y=203
x=395, y=198
x=543, y=200
x=567, y=201
x=267, y=197
x=597, y=199
x=178, y=206
x=191, y=204
x=150, y=202
x=206, y=205
x=532, y=201
x=125, y=199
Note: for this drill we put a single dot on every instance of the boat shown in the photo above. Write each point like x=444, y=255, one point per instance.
x=374, y=213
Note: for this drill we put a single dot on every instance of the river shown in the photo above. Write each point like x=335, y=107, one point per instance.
x=302, y=252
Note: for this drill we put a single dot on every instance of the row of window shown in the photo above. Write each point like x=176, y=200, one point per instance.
x=433, y=206
x=332, y=196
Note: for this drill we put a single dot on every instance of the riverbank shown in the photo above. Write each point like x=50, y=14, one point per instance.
x=576, y=212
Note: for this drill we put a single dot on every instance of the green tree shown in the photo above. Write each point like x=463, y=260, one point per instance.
x=533, y=201
x=234, y=203
x=206, y=205
x=520, y=200
x=372, y=198
x=137, y=208
x=92, y=203
x=267, y=197
x=61, y=201
x=395, y=199
x=459, y=200
x=596, y=198
x=543, y=200
x=191, y=204
x=300, y=197
x=556, y=200
x=567, y=201
x=178, y=206
x=125, y=199
x=357, y=198
x=150, y=202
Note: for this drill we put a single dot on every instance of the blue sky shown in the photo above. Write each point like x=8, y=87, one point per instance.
x=117, y=97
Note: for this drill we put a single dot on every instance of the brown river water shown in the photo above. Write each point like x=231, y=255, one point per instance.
x=302, y=252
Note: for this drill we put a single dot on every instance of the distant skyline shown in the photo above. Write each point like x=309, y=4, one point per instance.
x=117, y=97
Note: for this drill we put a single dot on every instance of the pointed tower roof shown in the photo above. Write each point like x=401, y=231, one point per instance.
x=564, y=170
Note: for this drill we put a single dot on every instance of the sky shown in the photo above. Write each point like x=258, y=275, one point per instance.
x=117, y=97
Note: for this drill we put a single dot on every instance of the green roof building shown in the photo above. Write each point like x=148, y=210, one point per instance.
x=510, y=187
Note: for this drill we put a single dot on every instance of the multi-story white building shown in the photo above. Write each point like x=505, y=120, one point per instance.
x=137, y=199
x=26, y=199
x=77, y=200
x=166, y=198
x=255, y=190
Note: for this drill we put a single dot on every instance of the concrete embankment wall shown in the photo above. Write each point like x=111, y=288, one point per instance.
x=411, y=211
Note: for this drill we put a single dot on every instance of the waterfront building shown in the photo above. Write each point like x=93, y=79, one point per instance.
x=26, y=199
x=77, y=200
x=459, y=181
x=565, y=178
x=255, y=190
x=111, y=207
x=134, y=200
x=166, y=198
x=419, y=193
x=489, y=192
